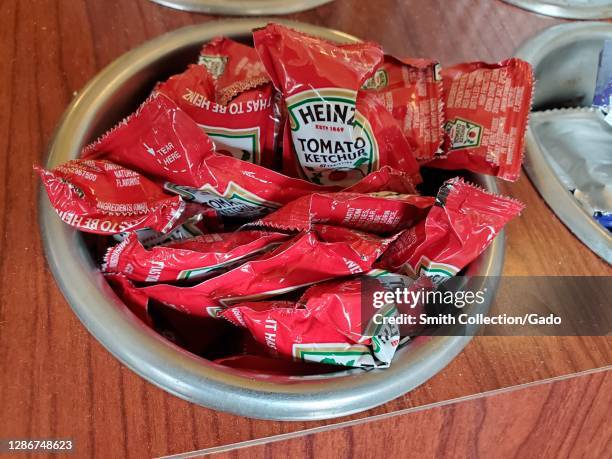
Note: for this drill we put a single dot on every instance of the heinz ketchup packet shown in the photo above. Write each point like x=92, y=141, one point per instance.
x=412, y=91
x=234, y=68
x=327, y=325
x=244, y=127
x=159, y=140
x=487, y=108
x=310, y=257
x=383, y=212
x=104, y=198
x=330, y=141
x=193, y=258
x=458, y=228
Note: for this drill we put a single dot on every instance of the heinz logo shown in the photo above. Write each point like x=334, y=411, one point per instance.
x=327, y=112
x=333, y=142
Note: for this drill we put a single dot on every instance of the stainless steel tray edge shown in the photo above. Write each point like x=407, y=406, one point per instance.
x=243, y=7
x=562, y=11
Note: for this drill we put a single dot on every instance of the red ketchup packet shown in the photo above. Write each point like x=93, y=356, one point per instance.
x=159, y=140
x=300, y=334
x=487, y=108
x=314, y=256
x=230, y=96
x=104, y=198
x=326, y=326
x=381, y=213
x=234, y=68
x=135, y=300
x=411, y=90
x=329, y=139
x=194, y=258
x=245, y=128
x=458, y=228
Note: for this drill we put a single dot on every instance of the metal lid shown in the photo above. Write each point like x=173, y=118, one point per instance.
x=565, y=60
x=243, y=7
x=568, y=9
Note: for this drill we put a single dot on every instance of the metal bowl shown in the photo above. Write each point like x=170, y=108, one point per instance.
x=568, y=9
x=243, y=7
x=106, y=99
x=565, y=60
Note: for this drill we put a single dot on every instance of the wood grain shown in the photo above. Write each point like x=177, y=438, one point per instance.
x=57, y=381
x=567, y=418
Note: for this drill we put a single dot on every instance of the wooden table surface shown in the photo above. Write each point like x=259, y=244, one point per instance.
x=57, y=382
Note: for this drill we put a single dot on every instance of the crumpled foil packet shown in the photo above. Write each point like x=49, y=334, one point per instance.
x=602, y=98
x=577, y=143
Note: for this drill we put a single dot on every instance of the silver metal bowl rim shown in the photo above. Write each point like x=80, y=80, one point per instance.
x=562, y=11
x=180, y=372
x=243, y=7
x=541, y=173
